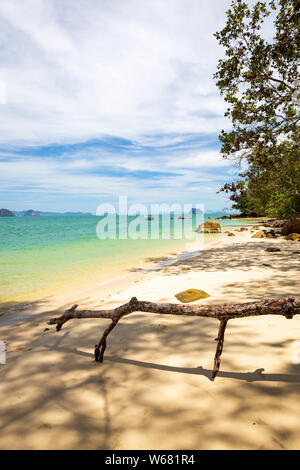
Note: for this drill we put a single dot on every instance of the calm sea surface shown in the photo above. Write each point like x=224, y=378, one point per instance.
x=43, y=255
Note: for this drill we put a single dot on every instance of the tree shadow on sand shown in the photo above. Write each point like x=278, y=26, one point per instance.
x=239, y=256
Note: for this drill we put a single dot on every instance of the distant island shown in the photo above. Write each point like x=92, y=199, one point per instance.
x=31, y=213
x=6, y=213
x=195, y=211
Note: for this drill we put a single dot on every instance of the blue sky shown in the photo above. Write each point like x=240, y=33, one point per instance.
x=108, y=98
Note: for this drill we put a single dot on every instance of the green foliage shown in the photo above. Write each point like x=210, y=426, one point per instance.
x=260, y=82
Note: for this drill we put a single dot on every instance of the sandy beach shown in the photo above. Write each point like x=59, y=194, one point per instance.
x=154, y=388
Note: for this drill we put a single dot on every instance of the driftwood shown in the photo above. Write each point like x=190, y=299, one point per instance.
x=287, y=307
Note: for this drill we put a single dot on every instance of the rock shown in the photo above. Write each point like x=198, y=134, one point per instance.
x=230, y=234
x=6, y=213
x=276, y=224
x=241, y=216
x=292, y=225
x=271, y=234
x=191, y=295
x=260, y=234
x=272, y=249
x=295, y=237
x=212, y=226
x=279, y=223
x=243, y=229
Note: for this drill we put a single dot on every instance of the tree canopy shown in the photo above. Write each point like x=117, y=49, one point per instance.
x=259, y=79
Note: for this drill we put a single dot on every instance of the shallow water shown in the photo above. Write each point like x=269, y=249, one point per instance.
x=47, y=254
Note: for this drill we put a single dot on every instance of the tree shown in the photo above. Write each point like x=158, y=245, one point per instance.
x=260, y=82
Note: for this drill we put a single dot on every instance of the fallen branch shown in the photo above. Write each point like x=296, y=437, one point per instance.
x=286, y=307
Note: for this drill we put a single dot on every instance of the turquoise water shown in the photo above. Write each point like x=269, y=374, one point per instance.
x=43, y=255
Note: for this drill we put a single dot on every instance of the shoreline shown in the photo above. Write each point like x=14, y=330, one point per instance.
x=12, y=312
x=156, y=373
x=30, y=274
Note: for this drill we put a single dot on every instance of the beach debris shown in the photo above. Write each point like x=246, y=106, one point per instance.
x=272, y=249
x=156, y=259
x=260, y=234
x=295, y=237
x=191, y=295
x=211, y=226
x=230, y=234
x=287, y=307
x=292, y=225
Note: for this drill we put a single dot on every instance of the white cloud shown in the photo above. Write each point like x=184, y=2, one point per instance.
x=89, y=69
x=204, y=159
x=78, y=70
x=95, y=172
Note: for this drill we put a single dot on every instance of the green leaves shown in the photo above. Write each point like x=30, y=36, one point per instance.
x=258, y=80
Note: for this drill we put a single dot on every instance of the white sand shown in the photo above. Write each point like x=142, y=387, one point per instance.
x=153, y=390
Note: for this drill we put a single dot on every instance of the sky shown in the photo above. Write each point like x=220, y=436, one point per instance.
x=101, y=98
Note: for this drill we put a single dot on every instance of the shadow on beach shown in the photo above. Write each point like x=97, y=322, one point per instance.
x=53, y=395
x=238, y=256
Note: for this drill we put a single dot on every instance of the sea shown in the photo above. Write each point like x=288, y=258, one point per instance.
x=45, y=255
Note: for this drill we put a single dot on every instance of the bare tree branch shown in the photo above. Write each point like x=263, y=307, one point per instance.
x=223, y=312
